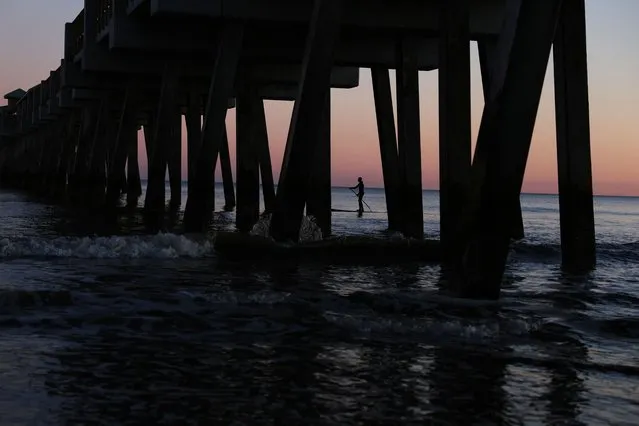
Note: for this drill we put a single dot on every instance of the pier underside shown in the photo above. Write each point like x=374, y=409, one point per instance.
x=74, y=136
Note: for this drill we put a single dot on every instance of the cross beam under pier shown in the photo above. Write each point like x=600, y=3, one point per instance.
x=503, y=144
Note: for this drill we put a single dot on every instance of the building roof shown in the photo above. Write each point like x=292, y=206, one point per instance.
x=16, y=94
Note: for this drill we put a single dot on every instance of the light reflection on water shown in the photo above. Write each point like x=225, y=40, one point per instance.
x=201, y=341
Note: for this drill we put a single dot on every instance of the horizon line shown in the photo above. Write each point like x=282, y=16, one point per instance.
x=436, y=190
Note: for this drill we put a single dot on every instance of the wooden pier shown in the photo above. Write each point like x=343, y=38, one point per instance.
x=132, y=64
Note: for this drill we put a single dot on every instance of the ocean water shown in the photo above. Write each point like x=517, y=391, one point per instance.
x=104, y=324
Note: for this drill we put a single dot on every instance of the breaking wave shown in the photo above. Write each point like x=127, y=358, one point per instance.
x=163, y=245
x=309, y=229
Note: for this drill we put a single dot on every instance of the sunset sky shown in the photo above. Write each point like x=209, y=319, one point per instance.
x=31, y=44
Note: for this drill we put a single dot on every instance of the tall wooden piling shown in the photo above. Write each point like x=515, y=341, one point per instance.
x=125, y=138
x=54, y=134
x=163, y=134
x=174, y=159
x=318, y=203
x=388, y=146
x=73, y=149
x=503, y=144
x=454, y=119
x=95, y=184
x=148, y=139
x=409, y=139
x=573, y=139
x=134, y=188
x=193, y=120
x=307, y=120
x=200, y=200
x=80, y=167
x=247, y=161
x=69, y=139
x=487, y=49
x=227, y=174
x=266, y=170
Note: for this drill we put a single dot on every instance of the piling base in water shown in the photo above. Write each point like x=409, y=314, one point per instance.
x=346, y=249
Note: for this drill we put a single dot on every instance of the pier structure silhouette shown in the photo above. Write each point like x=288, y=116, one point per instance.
x=142, y=64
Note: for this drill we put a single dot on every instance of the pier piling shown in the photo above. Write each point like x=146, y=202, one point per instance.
x=126, y=137
x=94, y=187
x=247, y=172
x=193, y=119
x=503, y=143
x=199, y=203
x=409, y=138
x=318, y=202
x=487, y=50
x=134, y=187
x=227, y=174
x=573, y=139
x=163, y=135
x=264, y=152
x=307, y=120
x=454, y=119
x=388, y=146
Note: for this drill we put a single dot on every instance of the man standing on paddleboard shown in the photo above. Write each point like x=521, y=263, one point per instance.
x=360, y=194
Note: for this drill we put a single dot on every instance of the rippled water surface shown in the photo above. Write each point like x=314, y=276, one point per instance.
x=135, y=329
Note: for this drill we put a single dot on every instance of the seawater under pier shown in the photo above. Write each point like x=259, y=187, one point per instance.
x=141, y=64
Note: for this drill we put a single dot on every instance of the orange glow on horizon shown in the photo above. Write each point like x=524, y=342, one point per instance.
x=355, y=149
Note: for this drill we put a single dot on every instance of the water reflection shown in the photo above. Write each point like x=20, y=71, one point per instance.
x=467, y=386
x=566, y=388
x=396, y=390
x=293, y=395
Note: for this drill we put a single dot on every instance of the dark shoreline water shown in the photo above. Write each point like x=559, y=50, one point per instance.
x=155, y=329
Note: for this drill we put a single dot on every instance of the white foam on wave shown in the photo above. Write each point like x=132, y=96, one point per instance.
x=163, y=246
x=235, y=298
x=427, y=327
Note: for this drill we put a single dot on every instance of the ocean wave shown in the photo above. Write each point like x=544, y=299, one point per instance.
x=428, y=329
x=535, y=251
x=169, y=245
x=163, y=245
x=549, y=251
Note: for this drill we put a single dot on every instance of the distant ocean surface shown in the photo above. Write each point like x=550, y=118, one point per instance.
x=108, y=325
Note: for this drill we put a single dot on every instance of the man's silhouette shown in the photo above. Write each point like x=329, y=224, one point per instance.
x=360, y=194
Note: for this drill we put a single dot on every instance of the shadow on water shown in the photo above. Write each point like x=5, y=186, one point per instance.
x=566, y=389
x=467, y=382
x=467, y=387
x=395, y=389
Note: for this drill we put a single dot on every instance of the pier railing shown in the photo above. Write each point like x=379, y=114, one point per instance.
x=45, y=87
x=27, y=110
x=43, y=97
x=8, y=122
x=55, y=84
x=77, y=35
x=37, y=102
x=105, y=13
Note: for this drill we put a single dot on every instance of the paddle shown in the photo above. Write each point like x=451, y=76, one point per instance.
x=365, y=203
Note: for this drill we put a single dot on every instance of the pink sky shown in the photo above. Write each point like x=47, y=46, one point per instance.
x=614, y=67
